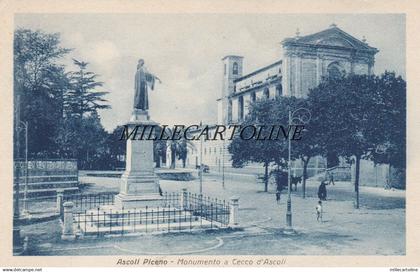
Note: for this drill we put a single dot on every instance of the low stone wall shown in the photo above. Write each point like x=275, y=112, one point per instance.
x=377, y=175
x=46, y=176
x=174, y=174
x=168, y=174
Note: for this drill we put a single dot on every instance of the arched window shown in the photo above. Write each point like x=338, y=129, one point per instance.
x=266, y=93
x=230, y=111
x=279, y=90
x=235, y=68
x=253, y=97
x=334, y=71
x=241, y=108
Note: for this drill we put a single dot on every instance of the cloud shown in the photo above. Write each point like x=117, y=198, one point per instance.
x=74, y=38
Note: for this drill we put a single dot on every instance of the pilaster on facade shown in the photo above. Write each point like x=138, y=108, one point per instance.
x=319, y=68
x=286, y=74
x=298, y=76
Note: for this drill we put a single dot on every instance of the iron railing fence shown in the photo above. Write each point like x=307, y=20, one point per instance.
x=82, y=202
x=210, y=208
x=179, y=211
x=157, y=219
x=172, y=199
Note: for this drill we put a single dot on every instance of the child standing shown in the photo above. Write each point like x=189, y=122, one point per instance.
x=319, y=211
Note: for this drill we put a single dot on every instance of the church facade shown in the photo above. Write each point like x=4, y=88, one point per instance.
x=306, y=60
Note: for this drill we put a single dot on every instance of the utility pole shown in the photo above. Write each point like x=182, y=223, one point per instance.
x=25, y=196
x=17, y=241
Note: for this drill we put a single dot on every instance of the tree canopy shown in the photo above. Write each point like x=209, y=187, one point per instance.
x=59, y=106
x=357, y=115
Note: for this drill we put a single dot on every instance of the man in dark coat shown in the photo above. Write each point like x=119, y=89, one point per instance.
x=322, y=191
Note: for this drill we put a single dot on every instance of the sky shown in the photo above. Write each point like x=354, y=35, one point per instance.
x=185, y=52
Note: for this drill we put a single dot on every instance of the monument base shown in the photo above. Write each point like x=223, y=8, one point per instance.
x=139, y=183
x=138, y=190
x=138, y=201
x=139, y=116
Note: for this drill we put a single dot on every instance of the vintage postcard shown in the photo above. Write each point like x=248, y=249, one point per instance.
x=209, y=134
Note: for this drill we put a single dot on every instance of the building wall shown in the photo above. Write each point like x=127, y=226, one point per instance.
x=258, y=83
x=361, y=68
x=309, y=74
x=222, y=111
x=235, y=109
x=257, y=78
x=306, y=63
x=306, y=69
x=247, y=101
x=302, y=68
x=229, y=75
x=371, y=174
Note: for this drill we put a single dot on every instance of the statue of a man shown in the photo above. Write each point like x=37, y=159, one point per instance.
x=143, y=80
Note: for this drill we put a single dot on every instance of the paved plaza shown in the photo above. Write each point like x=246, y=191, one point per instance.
x=377, y=228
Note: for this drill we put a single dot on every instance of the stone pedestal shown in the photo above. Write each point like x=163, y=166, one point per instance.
x=234, y=209
x=68, y=233
x=139, y=184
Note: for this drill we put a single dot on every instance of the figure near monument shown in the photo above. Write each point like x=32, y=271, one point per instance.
x=142, y=82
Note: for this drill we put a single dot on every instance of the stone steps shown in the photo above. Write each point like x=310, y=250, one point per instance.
x=94, y=223
x=115, y=219
x=149, y=228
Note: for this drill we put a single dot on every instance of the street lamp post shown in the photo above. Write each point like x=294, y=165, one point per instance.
x=17, y=240
x=289, y=166
x=25, y=196
x=303, y=116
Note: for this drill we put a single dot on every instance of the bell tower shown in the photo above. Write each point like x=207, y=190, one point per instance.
x=232, y=69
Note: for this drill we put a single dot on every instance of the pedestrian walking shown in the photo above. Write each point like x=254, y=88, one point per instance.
x=322, y=191
x=278, y=193
x=331, y=178
x=319, y=211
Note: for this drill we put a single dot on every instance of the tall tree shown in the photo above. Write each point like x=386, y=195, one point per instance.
x=117, y=147
x=390, y=136
x=81, y=134
x=349, y=108
x=177, y=145
x=159, y=148
x=83, y=96
x=309, y=146
x=265, y=112
x=246, y=151
x=92, y=149
x=39, y=86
